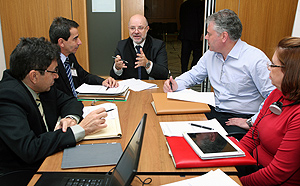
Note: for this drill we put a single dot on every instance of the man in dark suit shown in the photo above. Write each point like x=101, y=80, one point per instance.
x=64, y=33
x=191, y=18
x=30, y=107
x=145, y=56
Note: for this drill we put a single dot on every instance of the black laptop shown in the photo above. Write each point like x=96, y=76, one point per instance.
x=122, y=175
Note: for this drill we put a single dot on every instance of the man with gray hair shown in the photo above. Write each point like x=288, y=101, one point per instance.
x=237, y=71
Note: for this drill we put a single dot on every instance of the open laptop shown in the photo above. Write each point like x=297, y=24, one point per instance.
x=122, y=175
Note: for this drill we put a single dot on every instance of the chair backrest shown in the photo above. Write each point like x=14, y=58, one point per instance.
x=17, y=178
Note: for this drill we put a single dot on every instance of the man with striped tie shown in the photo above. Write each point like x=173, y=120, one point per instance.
x=64, y=33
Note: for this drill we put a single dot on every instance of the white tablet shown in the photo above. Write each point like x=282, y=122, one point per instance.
x=212, y=145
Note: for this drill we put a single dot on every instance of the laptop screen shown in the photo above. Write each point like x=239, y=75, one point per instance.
x=127, y=165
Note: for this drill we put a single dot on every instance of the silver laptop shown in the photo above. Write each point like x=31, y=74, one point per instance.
x=122, y=175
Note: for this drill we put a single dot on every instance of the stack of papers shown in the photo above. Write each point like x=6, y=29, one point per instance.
x=193, y=96
x=137, y=85
x=99, y=92
x=177, y=128
x=212, y=178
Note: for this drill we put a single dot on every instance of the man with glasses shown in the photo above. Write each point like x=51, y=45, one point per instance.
x=237, y=72
x=30, y=107
x=140, y=56
x=64, y=33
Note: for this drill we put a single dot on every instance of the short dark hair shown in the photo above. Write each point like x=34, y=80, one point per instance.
x=288, y=53
x=60, y=28
x=227, y=21
x=30, y=54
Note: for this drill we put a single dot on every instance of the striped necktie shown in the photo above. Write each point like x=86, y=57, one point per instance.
x=69, y=74
x=138, y=47
x=40, y=107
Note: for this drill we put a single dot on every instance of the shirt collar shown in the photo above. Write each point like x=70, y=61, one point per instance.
x=236, y=50
x=141, y=44
x=34, y=94
x=63, y=58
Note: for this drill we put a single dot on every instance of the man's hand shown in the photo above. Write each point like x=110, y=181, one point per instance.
x=119, y=64
x=141, y=59
x=110, y=82
x=170, y=85
x=94, y=121
x=240, y=122
x=65, y=123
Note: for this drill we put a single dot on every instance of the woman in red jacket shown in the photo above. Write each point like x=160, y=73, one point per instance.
x=274, y=138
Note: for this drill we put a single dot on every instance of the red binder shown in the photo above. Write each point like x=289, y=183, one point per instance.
x=185, y=157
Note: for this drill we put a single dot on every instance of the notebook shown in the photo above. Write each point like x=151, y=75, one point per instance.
x=123, y=173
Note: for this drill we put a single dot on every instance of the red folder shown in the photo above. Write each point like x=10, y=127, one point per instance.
x=185, y=157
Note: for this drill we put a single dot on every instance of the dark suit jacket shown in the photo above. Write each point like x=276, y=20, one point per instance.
x=62, y=83
x=24, y=142
x=155, y=51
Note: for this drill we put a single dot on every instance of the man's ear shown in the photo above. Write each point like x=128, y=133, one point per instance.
x=33, y=76
x=225, y=36
x=60, y=42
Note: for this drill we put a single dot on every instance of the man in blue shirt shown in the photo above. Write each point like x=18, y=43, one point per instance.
x=237, y=71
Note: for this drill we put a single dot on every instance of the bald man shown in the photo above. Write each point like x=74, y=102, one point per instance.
x=140, y=56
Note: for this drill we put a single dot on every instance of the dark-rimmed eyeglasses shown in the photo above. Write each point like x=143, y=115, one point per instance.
x=272, y=65
x=53, y=72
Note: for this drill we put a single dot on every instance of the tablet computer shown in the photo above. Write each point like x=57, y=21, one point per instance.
x=212, y=145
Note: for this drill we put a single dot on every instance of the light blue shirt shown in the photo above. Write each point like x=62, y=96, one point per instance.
x=241, y=82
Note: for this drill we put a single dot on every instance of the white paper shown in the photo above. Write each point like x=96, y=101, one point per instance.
x=103, y=5
x=110, y=115
x=100, y=89
x=137, y=85
x=176, y=128
x=193, y=96
x=212, y=178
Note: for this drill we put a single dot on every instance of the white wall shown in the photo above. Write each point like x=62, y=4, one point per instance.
x=2, y=56
x=296, y=29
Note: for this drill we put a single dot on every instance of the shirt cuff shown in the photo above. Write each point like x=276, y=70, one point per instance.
x=79, y=132
x=77, y=118
x=118, y=72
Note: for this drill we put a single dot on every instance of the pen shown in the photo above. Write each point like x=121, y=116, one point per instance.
x=201, y=126
x=170, y=80
x=110, y=110
x=107, y=88
x=121, y=59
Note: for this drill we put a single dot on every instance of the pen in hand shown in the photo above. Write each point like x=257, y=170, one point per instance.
x=110, y=110
x=170, y=80
x=121, y=59
x=201, y=126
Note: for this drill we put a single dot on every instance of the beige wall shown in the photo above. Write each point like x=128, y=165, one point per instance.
x=265, y=22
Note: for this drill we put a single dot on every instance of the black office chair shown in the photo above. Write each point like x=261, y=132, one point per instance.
x=16, y=178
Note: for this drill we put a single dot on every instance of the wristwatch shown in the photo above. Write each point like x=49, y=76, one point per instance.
x=148, y=64
x=249, y=122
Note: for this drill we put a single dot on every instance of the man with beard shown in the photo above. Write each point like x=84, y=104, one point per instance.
x=140, y=56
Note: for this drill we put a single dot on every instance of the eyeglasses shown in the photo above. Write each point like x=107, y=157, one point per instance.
x=140, y=28
x=271, y=65
x=53, y=72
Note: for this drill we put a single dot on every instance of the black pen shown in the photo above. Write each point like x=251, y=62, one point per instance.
x=107, y=88
x=201, y=126
x=170, y=80
x=121, y=59
x=110, y=110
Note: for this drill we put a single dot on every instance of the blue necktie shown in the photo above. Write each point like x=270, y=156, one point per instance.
x=138, y=47
x=69, y=74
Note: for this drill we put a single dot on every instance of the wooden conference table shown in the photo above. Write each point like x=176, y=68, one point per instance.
x=155, y=158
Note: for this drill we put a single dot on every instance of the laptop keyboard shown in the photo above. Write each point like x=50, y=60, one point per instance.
x=83, y=182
